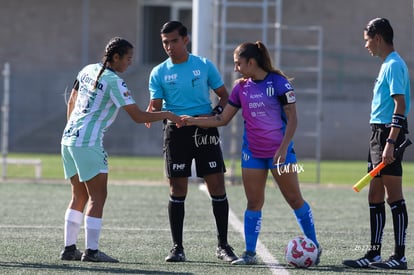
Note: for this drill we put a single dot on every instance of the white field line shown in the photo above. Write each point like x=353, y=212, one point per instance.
x=261, y=249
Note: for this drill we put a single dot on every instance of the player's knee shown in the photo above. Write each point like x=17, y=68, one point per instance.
x=255, y=205
x=295, y=202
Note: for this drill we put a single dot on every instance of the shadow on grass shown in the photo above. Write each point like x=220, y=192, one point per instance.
x=324, y=269
x=91, y=269
x=342, y=269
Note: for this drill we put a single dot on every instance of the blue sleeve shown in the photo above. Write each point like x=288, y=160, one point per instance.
x=214, y=78
x=155, y=87
x=396, y=79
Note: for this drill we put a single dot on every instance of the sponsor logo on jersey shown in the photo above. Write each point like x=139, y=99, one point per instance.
x=255, y=105
x=256, y=96
x=86, y=79
x=288, y=86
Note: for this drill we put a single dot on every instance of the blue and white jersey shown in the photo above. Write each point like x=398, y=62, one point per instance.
x=393, y=79
x=185, y=87
x=95, y=109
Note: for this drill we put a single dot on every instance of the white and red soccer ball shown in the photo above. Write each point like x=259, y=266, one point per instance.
x=301, y=252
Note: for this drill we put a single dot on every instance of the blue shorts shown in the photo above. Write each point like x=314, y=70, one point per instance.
x=248, y=161
x=87, y=162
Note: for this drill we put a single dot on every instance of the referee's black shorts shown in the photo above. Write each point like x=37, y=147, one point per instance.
x=182, y=145
x=379, y=135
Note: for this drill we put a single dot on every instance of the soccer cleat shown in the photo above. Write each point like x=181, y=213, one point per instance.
x=363, y=262
x=318, y=259
x=98, y=256
x=70, y=253
x=247, y=258
x=226, y=253
x=176, y=254
x=392, y=263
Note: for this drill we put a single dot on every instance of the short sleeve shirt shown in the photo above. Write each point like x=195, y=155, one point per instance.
x=393, y=79
x=95, y=109
x=185, y=87
x=264, y=118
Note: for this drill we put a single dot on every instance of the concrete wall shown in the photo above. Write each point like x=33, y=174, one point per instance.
x=42, y=39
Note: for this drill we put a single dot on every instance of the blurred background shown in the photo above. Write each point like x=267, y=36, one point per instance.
x=318, y=42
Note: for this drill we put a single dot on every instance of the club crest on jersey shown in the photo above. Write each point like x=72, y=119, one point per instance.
x=270, y=91
x=196, y=72
x=127, y=94
x=290, y=97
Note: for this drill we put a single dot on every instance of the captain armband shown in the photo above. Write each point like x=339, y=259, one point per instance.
x=398, y=121
x=76, y=85
x=287, y=98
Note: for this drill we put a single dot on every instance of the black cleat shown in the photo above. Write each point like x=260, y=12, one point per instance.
x=392, y=263
x=226, y=253
x=71, y=253
x=98, y=256
x=363, y=262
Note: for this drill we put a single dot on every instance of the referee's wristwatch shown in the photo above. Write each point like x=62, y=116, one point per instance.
x=390, y=141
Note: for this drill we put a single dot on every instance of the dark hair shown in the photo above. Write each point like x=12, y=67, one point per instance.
x=171, y=26
x=382, y=27
x=116, y=45
x=259, y=52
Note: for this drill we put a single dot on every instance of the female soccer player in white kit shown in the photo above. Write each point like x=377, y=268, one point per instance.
x=96, y=97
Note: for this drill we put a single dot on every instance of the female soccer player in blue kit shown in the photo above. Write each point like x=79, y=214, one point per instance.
x=268, y=107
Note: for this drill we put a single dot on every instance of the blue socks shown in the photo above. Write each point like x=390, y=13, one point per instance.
x=253, y=223
x=305, y=221
x=252, y=226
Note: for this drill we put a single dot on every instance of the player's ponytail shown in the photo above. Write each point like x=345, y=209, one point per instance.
x=116, y=45
x=259, y=52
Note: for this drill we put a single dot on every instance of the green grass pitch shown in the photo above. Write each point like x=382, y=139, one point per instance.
x=136, y=230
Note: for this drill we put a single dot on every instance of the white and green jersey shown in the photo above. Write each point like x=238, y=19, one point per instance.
x=95, y=109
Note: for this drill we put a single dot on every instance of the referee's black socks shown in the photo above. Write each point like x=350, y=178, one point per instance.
x=377, y=222
x=221, y=213
x=176, y=212
x=400, y=222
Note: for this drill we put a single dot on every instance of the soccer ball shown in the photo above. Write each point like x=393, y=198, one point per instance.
x=301, y=252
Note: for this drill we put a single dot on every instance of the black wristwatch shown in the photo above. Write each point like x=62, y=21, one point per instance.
x=390, y=141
